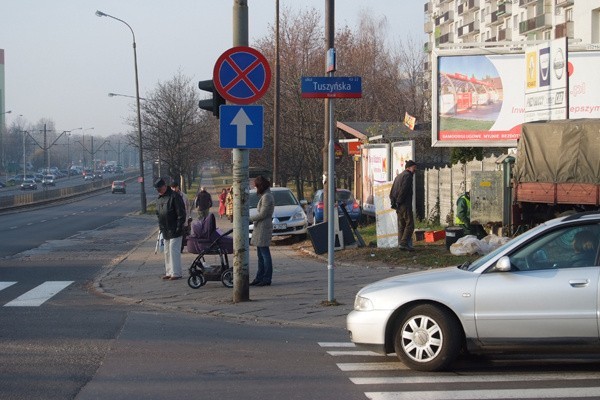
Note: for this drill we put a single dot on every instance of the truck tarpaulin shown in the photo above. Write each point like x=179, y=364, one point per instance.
x=558, y=162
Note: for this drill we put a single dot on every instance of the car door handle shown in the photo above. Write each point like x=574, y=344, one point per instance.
x=579, y=282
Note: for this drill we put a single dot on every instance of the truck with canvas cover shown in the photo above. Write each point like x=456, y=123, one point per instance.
x=557, y=169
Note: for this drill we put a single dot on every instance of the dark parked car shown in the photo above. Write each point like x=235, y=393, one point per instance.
x=314, y=212
x=28, y=184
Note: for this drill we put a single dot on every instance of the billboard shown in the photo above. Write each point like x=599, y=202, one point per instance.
x=479, y=100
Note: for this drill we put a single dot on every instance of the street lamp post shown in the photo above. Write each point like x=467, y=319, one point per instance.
x=139, y=114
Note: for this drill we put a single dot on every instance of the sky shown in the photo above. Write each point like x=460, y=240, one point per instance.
x=61, y=60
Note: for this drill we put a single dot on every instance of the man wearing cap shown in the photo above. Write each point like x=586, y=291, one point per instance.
x=401, y=197
x=171, y=218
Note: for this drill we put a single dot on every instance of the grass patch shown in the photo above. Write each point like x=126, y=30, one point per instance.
x=459, y=124
x=430, y=255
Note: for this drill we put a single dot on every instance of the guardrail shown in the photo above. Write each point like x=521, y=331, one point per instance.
x=49, y=195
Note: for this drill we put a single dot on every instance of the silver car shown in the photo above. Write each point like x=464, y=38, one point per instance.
x=538, y=292
x=288, y=217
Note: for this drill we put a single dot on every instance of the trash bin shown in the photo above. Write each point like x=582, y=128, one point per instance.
x=453, y=233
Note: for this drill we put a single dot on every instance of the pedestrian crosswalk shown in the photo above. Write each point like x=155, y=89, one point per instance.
x=388, y=379
x=38, y=295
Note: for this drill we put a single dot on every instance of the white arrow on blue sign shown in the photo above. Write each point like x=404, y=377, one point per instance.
x=241, y=127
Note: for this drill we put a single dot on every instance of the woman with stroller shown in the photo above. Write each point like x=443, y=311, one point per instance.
x=263, y=231
x=222, y=200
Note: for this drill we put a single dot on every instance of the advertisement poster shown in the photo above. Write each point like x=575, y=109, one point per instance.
x=546, y=82
x=401, y=153
x=375, y=164
x=481, y=98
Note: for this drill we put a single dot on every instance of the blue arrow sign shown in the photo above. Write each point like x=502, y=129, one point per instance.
x=331, y=87
x=241, y=127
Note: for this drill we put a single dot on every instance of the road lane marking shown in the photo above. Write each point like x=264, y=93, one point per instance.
x=372, y=366
x=354, y=353
x=337, y=344
x=409, y=380
x=4, y=285
x=535, y=393
x=39, y=295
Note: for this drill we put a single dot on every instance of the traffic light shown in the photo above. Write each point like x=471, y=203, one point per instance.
x=210, y=104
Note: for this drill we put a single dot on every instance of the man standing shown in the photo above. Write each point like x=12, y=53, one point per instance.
x=171, y=218
x=463, y=213
x=401, y=197
x=203, y=203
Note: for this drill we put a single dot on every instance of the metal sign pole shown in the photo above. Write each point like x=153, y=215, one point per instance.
x=241, y=157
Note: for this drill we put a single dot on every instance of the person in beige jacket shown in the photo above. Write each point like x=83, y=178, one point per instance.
x=263, y=231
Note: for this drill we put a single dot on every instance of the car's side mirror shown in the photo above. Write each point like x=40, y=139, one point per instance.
x=503, y=264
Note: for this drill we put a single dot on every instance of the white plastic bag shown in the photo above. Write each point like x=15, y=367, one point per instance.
x=468, y=245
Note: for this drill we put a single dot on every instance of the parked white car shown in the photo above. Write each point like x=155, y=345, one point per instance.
x=538, y=292
x=288, y=217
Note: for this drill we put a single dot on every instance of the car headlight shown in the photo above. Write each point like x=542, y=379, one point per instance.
x=298, y=216
x=362, y=304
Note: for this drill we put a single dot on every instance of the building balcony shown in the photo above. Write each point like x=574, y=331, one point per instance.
x=492, y=39
x=504, y=34
x=446, y=38
x=468, y=6
x=504, y=9
x=428, y=27
x=542, y=21
x=525, y=3
x=427, y=47
x=564, y=3
x=444, y=18
x=468, y=29
x=492, y=19
x=564, y=30
x=428, y=7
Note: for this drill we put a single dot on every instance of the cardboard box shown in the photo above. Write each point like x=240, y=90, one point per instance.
x=434, y=236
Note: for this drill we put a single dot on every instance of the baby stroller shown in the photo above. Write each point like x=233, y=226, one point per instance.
x=205, y=240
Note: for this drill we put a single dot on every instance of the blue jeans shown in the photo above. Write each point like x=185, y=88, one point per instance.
x=265, y=264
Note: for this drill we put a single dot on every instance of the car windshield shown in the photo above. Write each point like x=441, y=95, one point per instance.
x=282, y=198
x=340, y=196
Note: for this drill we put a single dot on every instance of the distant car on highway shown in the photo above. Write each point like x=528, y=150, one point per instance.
x=48, y=180
x=2, y=184
x=119, y=186
x=88, y=177
x=28, y=184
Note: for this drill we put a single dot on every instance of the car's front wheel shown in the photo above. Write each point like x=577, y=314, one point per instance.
x=428, y=338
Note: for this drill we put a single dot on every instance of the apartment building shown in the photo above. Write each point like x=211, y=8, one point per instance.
x=490, y=21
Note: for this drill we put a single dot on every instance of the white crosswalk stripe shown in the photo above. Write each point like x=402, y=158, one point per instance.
x=393, y=373
x=38, y=295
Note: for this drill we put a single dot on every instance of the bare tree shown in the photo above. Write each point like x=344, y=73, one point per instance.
x=175, y=132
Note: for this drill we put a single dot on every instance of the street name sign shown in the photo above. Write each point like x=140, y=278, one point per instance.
x=241, y=127
x=336, y=87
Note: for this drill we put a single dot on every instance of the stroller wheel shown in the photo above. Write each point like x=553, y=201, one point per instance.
x=196, y=280
x=227, y=278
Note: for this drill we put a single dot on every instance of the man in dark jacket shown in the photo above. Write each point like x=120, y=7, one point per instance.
x=203, y=203
x=401, y=197
x=171, y=218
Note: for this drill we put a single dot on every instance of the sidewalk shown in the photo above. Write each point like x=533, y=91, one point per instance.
x=298, y=293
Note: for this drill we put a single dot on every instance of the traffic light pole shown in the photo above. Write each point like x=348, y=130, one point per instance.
x=241, y=157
